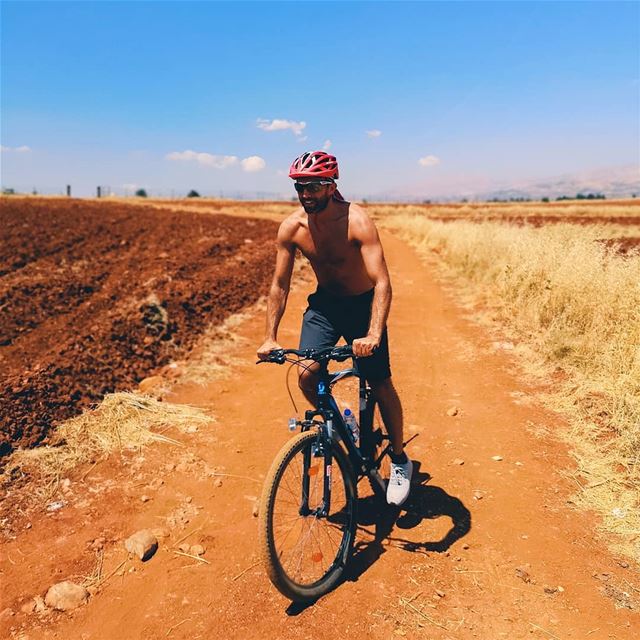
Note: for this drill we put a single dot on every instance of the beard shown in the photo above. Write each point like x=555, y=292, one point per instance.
x=315, y=205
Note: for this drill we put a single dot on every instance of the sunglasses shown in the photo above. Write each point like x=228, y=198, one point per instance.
x=311, y=187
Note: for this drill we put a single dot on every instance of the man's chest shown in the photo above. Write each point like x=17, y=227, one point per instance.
x=326, y=248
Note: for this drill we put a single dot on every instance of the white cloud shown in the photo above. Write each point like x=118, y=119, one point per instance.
x=327, y=145
x=279, y=124
x=205, y=159
x=374, y=133
x=303, y=139
x=22, y=149
x=429, y=161
x=253, y=163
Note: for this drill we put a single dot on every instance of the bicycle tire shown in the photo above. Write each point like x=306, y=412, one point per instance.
x=288, y=581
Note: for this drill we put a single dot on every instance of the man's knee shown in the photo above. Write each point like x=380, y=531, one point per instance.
x=307, y=380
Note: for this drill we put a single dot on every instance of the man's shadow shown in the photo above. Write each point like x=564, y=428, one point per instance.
x=424, y=502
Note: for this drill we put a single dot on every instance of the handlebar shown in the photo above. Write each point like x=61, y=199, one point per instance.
x=339, y=354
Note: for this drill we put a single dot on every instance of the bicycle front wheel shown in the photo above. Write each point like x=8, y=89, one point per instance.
x=304, y=551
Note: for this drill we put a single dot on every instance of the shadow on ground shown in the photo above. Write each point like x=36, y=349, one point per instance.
x=424, y=502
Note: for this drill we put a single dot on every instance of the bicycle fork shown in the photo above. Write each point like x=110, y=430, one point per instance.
x=317, y=458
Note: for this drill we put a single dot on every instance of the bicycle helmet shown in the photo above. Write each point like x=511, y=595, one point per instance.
x=314, y=164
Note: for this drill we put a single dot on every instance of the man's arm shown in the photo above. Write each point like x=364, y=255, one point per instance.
x=366, y=234
x=279, y=291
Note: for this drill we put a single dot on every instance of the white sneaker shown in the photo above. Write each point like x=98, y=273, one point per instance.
x=399, y=482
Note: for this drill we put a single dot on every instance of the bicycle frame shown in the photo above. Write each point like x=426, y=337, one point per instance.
x=328, y=409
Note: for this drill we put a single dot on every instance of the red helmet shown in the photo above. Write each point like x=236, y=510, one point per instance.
x=314, y=164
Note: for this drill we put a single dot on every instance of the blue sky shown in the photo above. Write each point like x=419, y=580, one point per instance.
x=117, y=93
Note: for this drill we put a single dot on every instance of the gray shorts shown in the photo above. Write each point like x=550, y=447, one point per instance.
x=329, y=318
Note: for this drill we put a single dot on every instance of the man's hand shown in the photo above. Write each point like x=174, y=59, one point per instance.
x=364, y=347
x=266, y=348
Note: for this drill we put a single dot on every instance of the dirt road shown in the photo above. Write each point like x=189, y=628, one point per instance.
x=484, y=549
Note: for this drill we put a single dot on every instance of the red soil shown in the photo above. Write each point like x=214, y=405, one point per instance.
x=623, y=246
x=95, y=296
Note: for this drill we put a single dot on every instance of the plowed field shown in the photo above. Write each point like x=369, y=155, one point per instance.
x=95, y=296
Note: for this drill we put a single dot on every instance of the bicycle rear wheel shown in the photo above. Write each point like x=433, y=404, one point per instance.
x=305, y=555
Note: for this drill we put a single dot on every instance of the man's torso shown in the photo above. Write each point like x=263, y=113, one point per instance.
x=328, y=241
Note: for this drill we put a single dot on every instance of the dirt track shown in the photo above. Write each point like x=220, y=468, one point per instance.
x=471, y=550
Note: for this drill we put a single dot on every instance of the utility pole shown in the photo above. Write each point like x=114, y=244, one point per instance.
x=68, y=191
x=98, y=192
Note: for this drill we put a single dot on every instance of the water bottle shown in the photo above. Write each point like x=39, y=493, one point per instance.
x=352, y=425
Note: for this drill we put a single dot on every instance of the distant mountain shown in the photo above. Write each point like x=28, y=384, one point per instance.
x=614, y=182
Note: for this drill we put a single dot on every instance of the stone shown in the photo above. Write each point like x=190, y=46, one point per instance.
x=453, y=411
x=523, y=574
x=65, y=596
x=150, y=383
x=458, y=461
x=478, y=495
x=496, y=458
x=172, y=370
x=440, y=594
x=256, y=509
x=144, y=498
x=142, y=544
x=40, y=606
x=217, y=482
x=184, y=547
x=98, y=544
x=197, y=550
x=28, y=607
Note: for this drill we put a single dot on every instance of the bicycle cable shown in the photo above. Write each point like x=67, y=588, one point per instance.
x=299, y=363
x=293, y=402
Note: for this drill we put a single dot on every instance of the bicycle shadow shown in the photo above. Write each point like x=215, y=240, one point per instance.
x=425, y=502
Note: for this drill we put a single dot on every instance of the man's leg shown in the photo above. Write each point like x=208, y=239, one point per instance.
x=391, y=409
x=308, y=382
x=401, y=466
x=317, y=332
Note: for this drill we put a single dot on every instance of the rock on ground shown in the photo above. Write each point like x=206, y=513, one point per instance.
x=142, y=544
x=65, y=596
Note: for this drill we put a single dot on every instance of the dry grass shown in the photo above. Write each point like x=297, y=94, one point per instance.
x=480, y=210
x=577, y=305
x=212, y=356
x=121, y=421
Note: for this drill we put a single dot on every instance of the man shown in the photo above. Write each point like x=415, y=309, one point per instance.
x=353, y=296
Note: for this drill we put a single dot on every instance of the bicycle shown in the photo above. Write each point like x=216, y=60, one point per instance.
x=308, y=509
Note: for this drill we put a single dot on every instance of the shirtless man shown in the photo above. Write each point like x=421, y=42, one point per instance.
x=353, y=295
